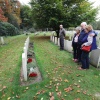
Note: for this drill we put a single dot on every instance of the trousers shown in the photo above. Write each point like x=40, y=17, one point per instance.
x=61, y=43
x=85, y=60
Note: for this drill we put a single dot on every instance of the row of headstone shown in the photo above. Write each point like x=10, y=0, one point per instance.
x=94, y=55
x=67, y=43
x=24, y=59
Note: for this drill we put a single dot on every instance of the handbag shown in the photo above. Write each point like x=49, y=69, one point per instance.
x=86, y=48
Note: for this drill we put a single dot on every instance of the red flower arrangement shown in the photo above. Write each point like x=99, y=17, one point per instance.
x=29, y=60
x=32, y=74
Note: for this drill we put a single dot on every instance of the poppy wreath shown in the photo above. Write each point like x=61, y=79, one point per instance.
x=29, y=60
x=32, y=74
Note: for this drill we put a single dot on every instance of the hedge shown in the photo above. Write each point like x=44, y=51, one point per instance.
x=7, y=29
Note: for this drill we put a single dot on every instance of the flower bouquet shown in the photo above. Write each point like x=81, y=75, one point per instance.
x=29, y=60
x=32, y=72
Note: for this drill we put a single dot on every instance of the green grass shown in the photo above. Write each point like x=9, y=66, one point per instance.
x=55, y=66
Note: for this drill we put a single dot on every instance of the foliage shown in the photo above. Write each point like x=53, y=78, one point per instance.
x=26, y=16
x=96, y=25
x=32, y=30
x=2, y=17
x=7, y=29
x=70, y=13
x=12, y=20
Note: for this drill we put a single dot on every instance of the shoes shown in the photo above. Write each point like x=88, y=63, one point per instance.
x=80, y=68
x=75, y=60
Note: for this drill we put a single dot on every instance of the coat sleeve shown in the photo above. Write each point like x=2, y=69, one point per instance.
x=90, y=40
x=64, y=32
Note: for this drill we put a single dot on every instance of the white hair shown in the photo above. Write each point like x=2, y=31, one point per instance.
x=61, y=25
x=78, y=28
x=84, y=23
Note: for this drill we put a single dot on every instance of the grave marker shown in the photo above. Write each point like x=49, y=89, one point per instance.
x=65, y=44
x=2, y=41
x=24, y=58
x=24, y=66
x=95, y=57
x=58, y=42
x=55, y=40
x=69, y=46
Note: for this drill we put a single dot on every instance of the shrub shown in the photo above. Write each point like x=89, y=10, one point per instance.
x=32, y=30
x=7, y=29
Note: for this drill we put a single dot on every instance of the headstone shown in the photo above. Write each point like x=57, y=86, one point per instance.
x=24, y=66
x=55, y=40
x=69, y=46
x=25, y=51
x=24, y=58
x=2, y=41
x=51, y=38
x=95, y=57
x=98, y=41
x=58, y=42
x=65, y=44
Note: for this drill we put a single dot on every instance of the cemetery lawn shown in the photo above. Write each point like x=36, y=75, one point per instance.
x=59, y=73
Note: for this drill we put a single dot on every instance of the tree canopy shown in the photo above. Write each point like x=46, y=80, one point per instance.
x=70, y=13
x=26, y=16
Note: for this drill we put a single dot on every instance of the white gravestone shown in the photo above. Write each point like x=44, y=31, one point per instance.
x=24, y=59
x=24, y=66
x=58, y=42
x=65, y=44
x=25, y=51
x=51, y=38
x=55, y=40
x=95, y=57
x=69, y=46
x=2, y=41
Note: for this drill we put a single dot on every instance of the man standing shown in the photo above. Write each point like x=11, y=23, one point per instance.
x=81, y=36
x=62, y=36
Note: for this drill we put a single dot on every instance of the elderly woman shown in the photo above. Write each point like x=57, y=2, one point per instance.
x=88, y=40
x=75, y=43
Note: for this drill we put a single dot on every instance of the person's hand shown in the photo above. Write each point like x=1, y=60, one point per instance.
x=92, y=34
x=82, y=45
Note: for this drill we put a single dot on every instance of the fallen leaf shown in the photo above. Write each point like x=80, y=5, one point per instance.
x=27, y=88
x=52, y=98
x=66, y=80
x=68, y=89
x=50, y=94
x=8, y=98
x=78, y=91
x=4, y=87
x=59, y=94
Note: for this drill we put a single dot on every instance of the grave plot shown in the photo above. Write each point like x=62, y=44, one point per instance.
x=30, y=74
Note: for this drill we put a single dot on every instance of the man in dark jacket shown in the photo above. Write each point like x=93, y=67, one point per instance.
x=61, y=36
x=80, y=38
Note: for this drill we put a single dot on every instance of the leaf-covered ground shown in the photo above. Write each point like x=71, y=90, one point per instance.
x=61, y=79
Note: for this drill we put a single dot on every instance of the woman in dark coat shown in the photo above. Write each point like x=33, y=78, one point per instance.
x=75, y=44
x=87, y=41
